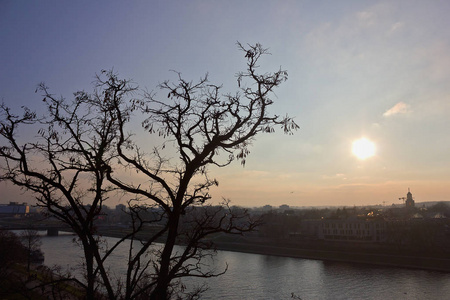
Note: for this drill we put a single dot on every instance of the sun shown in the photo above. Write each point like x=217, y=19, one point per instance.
x=363, y=148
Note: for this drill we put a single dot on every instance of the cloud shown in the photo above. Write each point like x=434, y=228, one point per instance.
x=396, y=27
x=336, y=176
x=363, y=44
x=436, y=60
x=397, y=109
x=376, y=125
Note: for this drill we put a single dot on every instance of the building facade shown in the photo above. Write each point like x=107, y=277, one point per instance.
x=14, y=209
x=350, y=229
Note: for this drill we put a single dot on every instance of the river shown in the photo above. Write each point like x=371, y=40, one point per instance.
x=253, y=276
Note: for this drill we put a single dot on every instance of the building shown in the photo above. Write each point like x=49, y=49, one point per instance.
x=353, y=229
x=14, y=209
x=349, y=229
x=409, y=199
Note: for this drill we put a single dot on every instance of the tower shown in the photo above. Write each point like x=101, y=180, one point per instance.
x=409, y=199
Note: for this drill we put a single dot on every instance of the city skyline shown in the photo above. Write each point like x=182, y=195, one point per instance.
x=377, y=70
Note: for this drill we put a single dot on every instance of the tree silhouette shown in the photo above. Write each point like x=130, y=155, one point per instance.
x=65, y=168
x=87, y=143
x=11, y=252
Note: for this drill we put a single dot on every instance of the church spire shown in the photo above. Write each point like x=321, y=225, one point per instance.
x=409, y=199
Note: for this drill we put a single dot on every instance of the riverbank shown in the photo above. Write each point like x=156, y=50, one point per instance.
x=382, y=259
x=355, y=253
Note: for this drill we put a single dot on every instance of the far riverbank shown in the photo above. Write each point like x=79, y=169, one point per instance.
x=416, y=262
x=361, y=253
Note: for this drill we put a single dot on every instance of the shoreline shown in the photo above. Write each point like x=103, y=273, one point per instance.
x=339, y=253
x=380, y=259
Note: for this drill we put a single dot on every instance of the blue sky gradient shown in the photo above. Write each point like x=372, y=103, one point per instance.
x=374, y=69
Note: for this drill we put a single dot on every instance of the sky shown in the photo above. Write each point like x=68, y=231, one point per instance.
x=373, y=69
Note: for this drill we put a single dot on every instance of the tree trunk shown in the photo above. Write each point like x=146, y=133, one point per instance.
x=160, y=291
x=90, y=278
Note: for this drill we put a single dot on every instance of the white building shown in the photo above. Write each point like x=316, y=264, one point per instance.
x=350, y=229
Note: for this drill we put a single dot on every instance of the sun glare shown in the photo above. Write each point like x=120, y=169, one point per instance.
x=363, y=148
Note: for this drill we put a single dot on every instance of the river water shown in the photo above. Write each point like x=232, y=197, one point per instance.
x=254, y=276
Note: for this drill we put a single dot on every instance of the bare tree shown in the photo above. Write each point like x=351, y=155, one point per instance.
x=207, y=128
x=64, y=167
x=87, y=142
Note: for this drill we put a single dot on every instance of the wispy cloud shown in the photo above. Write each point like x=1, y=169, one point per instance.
x=335, y=176
x=396, y=28
x=398, y=109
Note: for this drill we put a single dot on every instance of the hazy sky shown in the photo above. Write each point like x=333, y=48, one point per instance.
x=373, y=69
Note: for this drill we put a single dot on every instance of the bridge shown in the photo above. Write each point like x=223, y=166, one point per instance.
x=52, y=229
